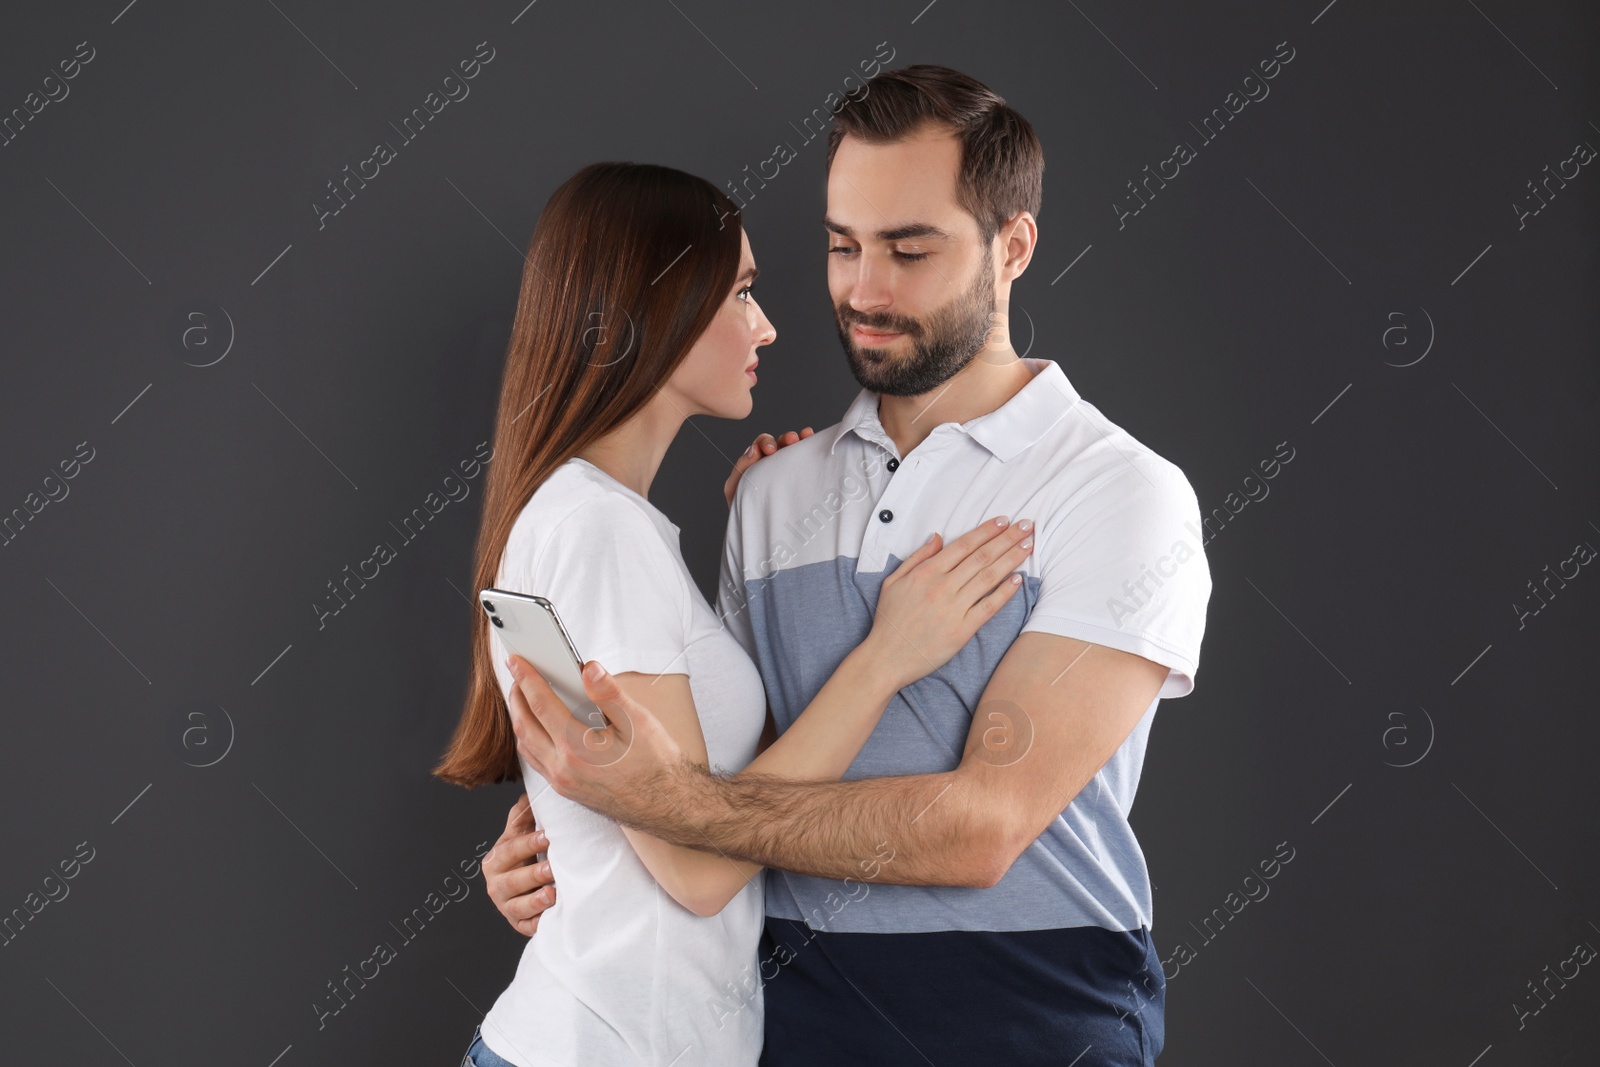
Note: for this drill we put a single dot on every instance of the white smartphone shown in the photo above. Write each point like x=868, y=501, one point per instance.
x=529, y=627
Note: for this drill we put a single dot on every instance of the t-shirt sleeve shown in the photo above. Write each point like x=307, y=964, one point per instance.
x=733, y=605
x=1125, y=567
x=619, y=588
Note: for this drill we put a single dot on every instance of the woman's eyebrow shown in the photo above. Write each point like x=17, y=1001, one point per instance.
x=750, y=275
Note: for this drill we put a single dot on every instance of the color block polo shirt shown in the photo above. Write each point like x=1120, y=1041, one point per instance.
x=1118, y=561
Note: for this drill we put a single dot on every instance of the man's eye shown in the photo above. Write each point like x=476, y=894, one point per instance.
x=846, y=250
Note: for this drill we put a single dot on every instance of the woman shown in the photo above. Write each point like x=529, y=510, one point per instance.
x=635, y=313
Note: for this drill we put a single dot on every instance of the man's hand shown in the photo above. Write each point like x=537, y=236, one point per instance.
x=518, y=883
x=1054, y=711
x=764, y=445
x=622, y=770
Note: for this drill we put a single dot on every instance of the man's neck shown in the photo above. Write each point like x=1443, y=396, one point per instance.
x=987, y=382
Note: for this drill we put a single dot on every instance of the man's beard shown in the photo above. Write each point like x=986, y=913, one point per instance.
x=942, y=345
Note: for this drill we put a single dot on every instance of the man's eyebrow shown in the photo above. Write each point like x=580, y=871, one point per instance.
x=899, y=233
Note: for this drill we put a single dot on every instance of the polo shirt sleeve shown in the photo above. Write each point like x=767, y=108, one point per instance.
x=733, y=605
x=618, y=587
x=1125, y=567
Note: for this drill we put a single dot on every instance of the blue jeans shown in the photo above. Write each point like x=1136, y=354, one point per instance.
x=481, y=1055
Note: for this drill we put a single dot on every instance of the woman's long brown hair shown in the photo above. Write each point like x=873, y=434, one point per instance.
x=627, y=266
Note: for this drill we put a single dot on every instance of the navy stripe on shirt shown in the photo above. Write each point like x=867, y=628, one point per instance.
x=1083, y=995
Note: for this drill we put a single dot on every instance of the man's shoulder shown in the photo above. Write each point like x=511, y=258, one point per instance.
x=1088, y=454
x=792, y=470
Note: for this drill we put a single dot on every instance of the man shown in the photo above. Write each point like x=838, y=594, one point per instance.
x=972, y=891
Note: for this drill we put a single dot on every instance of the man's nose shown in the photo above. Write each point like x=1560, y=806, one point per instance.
x=869, y=291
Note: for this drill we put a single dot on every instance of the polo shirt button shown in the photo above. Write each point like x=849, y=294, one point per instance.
x=885, y=514
x=894, y=465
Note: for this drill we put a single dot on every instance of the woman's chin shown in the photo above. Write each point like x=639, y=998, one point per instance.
x=738, y=406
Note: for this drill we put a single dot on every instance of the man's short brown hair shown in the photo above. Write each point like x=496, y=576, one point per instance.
x=1002, y=162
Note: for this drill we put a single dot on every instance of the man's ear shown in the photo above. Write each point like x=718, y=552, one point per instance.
x=1017, y=238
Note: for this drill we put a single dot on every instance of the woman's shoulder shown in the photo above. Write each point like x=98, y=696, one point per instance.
x=580, y=507
x=619, y=581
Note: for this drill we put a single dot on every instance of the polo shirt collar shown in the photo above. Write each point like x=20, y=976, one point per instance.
x=1005, y=431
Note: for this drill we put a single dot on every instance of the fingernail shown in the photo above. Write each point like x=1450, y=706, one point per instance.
x=1025, y=525
x=1001, y=521
x=1027, y=542
x=594, y=672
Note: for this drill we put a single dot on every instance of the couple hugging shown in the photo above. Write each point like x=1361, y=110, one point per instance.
x=873, y=808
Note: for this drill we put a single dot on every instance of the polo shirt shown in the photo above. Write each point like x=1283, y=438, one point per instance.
x=1118, y=561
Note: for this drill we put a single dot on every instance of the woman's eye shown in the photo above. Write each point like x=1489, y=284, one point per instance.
x=743, y=293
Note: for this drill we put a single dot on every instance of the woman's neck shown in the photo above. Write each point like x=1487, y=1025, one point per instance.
x=632, y=452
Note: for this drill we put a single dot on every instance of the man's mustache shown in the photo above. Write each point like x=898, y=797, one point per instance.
x=886, y=323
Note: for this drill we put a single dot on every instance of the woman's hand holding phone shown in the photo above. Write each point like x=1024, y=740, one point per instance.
x=936, y=600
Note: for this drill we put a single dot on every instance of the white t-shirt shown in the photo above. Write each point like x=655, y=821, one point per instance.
x=618, y=972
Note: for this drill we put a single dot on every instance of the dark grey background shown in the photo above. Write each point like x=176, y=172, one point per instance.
x=1363, y=611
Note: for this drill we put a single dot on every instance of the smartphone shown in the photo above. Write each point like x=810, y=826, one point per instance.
x=529, y=627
